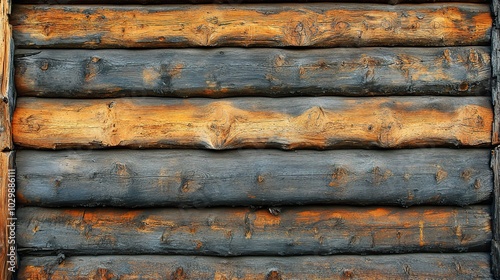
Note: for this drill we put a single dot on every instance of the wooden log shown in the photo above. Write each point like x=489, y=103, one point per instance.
x=287, y=123
x=414, y=266
x=8, y=249
x=495, y=248
x=159, y=2
x=243, y=231
x=253, y=177
x=272, y=25
x=239, y=72
x=6, y=77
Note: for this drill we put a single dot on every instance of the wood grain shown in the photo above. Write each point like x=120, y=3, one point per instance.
x=244, y=231
x=154, y=178
x=7, y=259
x=7, y=95
x=224, y=72
x=414, y=266
x=272, y=25
x=160, y=2
x=287, y=123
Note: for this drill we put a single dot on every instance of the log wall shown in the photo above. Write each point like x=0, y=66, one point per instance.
x=258, y=139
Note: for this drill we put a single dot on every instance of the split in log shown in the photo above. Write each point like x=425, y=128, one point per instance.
x=414, y=266
x=246, y=72
x=495, y=248
x=8, y=249
x=244, y=231
x=200, y=178
x=270, y=25
x=495, y=258
x=287, y=123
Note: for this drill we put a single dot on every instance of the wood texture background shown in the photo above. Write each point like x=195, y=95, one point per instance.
x=318, y=123
x=401, y=266
x=246, y=231
x=278, y=25
x=171, y=178
x=224, y=72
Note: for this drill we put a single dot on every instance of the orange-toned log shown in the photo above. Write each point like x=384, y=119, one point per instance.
x=6, y=77
x=270, y=25
x=8, y=257
x=287, y=123
x=401, y=266
x=246, y=231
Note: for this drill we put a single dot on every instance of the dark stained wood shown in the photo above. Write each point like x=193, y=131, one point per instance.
x=125, y=178
x=287, y=123
x=414, y=266
x=495, y=248
x=226, y=72
x=271, y=25
x=244, y=231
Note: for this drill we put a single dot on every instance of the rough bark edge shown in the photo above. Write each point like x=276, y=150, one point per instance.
x=7, y=81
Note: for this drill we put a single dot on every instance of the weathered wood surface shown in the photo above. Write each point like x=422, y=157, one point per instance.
x=287, y=123
x=6, y=77
x=6, y=219
x=248, y=72
x=414, y=266
x=495, y=248
x=149, y=2
x=125, y=178
x=272, y=25
x=247, y=231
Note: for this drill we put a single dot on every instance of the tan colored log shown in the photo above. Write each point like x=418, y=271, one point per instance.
x=8, y=258
x=149, y=2
x=270, y=25
x=245, y=231
x=6, y=79
x=288, y=123
x=397, y=266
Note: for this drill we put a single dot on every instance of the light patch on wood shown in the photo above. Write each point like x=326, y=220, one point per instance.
x=339, y=177
x=421, y=231
x=150, y=76
x=441, y=174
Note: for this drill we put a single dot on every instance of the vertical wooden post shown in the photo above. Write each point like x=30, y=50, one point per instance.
x=8, y=258
x=495, y=164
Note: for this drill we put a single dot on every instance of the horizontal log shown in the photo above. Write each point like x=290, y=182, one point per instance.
x=243, y=231
x=414, y=266
x=239, y=72
x=272, y=25
x=288, y=123
x=253, y=177
x=159, y=2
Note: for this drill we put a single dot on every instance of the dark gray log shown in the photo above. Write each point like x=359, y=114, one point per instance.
x=413, y=266
x=495, y=258
x=253, y=177
x=242, y=231
x=248, y=72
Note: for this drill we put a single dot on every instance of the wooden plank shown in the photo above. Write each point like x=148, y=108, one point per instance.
x=152, y=178
x=226, y=72
x=272, y=25
x=287, y=123
x=414, y=266
x=244, y=231
x=495, y=251
x=6, y=77
x=8, y=257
